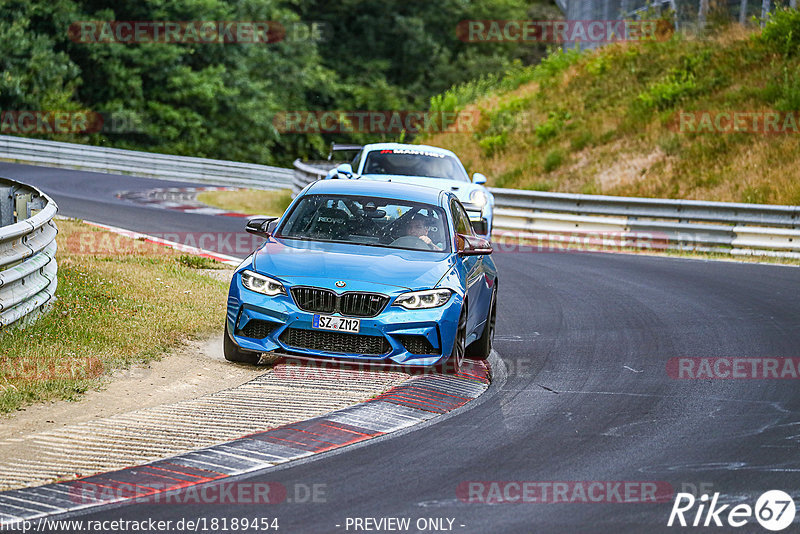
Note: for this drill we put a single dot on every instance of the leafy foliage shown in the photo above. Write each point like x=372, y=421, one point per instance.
x=219, y=100
x=782, y=32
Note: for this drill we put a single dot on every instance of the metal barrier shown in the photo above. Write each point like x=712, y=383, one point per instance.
x=27, y=251
x=144, y=164
x=562, y=220
x=306, y=172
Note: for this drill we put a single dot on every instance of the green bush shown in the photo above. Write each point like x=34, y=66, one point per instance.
x=582, y=140
x=493, y=144
x=458, y=96
x=665, y=94
x=554, y=64
x=681, y=82
x=516, y=75
x=552, y=126
x=553, y=160
x=782, y=31
x=785, y=95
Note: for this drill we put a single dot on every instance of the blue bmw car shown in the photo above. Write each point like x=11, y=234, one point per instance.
x=364, y=271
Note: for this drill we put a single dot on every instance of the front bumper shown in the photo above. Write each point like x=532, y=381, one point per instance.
x=406, y=337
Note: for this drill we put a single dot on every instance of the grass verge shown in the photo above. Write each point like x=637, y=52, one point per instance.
x=249, y=201
x=113, y=309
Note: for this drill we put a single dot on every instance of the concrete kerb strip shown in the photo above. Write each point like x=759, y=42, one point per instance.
x=419, y=400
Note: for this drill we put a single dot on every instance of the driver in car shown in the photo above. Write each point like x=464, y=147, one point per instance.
x=418, y=229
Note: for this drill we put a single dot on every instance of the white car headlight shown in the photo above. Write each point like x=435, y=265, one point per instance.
x=419, y=300
x=478, y=198
x=262, y=284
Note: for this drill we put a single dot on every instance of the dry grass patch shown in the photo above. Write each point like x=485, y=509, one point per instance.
x=250, y=201
x=113, y=309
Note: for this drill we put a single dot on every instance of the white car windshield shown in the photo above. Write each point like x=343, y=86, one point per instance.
x=411, y=162
x=368, y=221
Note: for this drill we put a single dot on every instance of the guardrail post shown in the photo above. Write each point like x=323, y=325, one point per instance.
x=21, y=206
x=6, y=206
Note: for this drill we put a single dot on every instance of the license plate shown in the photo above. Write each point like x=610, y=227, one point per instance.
x=338, y=324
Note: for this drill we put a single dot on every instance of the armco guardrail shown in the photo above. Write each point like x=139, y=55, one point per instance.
x=739, y=229
x=306, y=172
x=27, y=251
x=563, y=220
x=145, y=164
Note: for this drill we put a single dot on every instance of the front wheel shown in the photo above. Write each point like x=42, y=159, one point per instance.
x=234, y=354
x=481, y=348
x=453, y=364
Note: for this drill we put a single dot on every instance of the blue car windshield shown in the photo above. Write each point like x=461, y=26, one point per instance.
x=414, y=162
x=370, y=221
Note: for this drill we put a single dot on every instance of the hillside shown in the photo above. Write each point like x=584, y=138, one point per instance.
x=650, y=119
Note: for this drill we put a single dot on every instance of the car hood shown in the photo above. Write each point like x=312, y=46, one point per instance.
x=461, y=189
x=360, y=266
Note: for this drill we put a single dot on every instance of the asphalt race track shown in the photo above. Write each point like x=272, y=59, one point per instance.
x=586, y=339
x=92, y=197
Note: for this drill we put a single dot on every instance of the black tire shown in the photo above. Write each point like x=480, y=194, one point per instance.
x=482, y=347
x=234, y=354
x=452, y=365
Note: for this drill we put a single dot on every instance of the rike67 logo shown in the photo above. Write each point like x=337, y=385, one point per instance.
x=774, y=510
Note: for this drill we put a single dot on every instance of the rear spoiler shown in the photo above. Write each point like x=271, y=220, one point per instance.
x=339, y=147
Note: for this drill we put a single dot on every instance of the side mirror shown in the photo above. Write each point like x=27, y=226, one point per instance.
x=261, y=226
x=478, y=178
x=345, y=169
x=469, y=245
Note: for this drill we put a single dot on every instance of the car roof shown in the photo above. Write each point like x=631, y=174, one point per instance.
x=396, y=146
x=414, y=193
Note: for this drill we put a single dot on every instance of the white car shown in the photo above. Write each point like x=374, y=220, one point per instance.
x=423, y=165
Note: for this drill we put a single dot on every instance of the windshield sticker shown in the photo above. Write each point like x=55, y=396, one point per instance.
x=413, y=152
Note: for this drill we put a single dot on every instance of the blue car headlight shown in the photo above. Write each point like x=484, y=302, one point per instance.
x=262, y=284
x=479, y=198
x=420, y=300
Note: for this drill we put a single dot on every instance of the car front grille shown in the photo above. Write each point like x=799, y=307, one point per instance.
x=257, y=329
x=352, y=304
x=336, y=342
x=313, y=299
x=362, y=304
x=418, y=345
